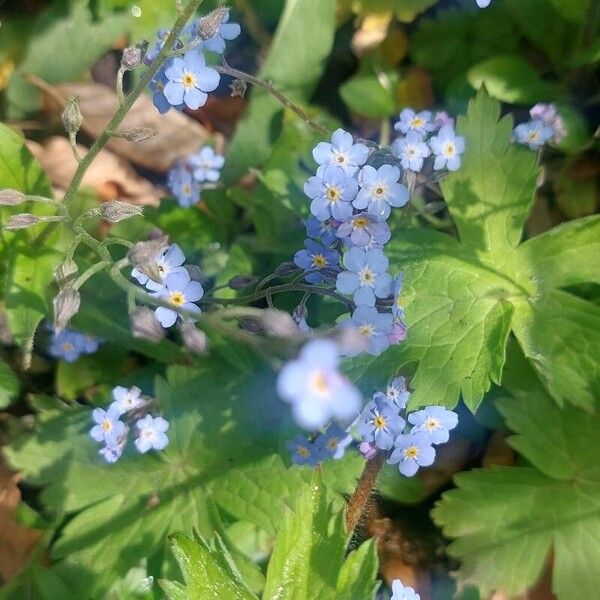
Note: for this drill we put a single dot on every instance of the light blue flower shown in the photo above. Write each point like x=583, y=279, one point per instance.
x=189, y=80
x=108, y=427
x=411, y=451
x=549, y=115
x=126, y=399
x=435, y=421
x=411, y=151
x=534, y=133
x=151, y=433
x=447, y=147
x=70, y=345
x=380, y=423
x=305, y=452
x=206, y=164
x=397, y=309
x=157, y=87
x=411, y=122
x=315, y=387
x=401, y=592
x=332, y=192
x=373, y=326
x=342, y=151
x=334, y=441
x=323, y=230
x=185, y=189
x=364, y=231
x=166, y=263
x=396, y=393
x=318, y=261
x=227, y=31
x=380, y=190
x=111, y=452
x=181, y=293
x=162, y=36
x=365, y=277
x=443, y=118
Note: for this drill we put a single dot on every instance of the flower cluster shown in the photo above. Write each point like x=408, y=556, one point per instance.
x=187, y=177
x=69, y=345
x=545, y=126
x=185, y=81
x=171, y=283
x=332, y=443
x=408, y=442
x=129, y=410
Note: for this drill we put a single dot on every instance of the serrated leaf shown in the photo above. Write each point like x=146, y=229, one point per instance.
x=358, y=575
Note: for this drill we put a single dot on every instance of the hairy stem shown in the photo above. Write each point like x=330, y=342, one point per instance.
x=362, y=493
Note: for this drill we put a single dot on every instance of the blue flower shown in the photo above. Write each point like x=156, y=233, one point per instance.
x=227, y=31
x=373, y=326
x=548, y=114
x=443, y=118
x=189, y=80
x=305, y=452
x=397, y=309
x=315, y=387
x=162, y=36
x=151, y=433
x=184, y=188
x=365, y=276
x=447, y=147
x=206, y=164
x=108, y=427
x=126, y=399
x=401, y=592
x=317, y=260
x=398, y=333
x=396, y=393
x=323, y=230
x=157, y=87
x=380, y=190
x=411, y=451
x=435, y=421
x=181, y=292
x=411, y=150
x=411, y=122
x=111, y=452
x=342, y=151
x=166, y=263
x=364, y=231
x=534, y=133
x=334, y=441
x=70, y=345
x=332, y=192
x=380, y=423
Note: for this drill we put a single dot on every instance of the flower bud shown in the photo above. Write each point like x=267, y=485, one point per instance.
x=115, y=211
x=11, y=197
x=367, y=450
x=238, y=88
x=65, y=272
x=278, y=323
x=71, y=116
x=143, y=256
x=209, y=25
x=21, y=221
x=139, y=135
x=66, y=306
x=133, y=56
x=194, y=339
x=241, y=281
x=145, y=325
x=398, y=333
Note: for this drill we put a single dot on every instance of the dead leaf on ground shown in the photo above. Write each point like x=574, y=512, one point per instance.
x=109, y=176
x=178, y=135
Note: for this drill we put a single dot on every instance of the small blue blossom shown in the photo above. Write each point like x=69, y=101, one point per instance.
x=447, y=147
x=157, y=87
x=111, y=452
x=534, y=133
x=397, y=309
x=373, y=326
x=401, y=592
x=380, y=190
x=185, y=189
x=549, y=115
x=323, y=230
x=411, y=151
x=332, y=191
x=483, y=3
x=411, y=122
x=151, y=433
x=435, y=421
x=227, y=31
x=396, y=393
x=316, y=388
x=206, y=164
x=180, y=292
x=108, y=427
x=317, y=260
x=342, y=151
x=70, y=345
x=411, y=451
x=153, y=52
x=334, y=441
x=365, y=277
x=166, y=263
x=305, y=452
x=443, y=118
x=380, y=423
x=189, y=80
x=126, y=399
x=398, y=333
x=364, y=231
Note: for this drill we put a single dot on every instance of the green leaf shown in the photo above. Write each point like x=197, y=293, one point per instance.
x=358, y=575
x=371, y=94
x=508, y=519
x=9, y=385
x=296, y=60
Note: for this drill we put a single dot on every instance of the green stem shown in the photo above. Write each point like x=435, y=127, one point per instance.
x=90, y=273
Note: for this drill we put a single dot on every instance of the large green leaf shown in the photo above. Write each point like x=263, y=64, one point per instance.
x=462, y=298
x=508, y=519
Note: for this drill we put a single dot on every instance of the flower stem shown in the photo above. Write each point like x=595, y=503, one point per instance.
x=362, y=493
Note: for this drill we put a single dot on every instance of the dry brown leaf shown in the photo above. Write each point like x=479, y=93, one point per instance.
x=372, y=31
x=109, y=176
x=178, y=135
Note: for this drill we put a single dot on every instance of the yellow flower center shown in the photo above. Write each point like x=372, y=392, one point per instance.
x=188, y=80
x=333, y=194
x=411, y=452
x=177, y=298
x=361, y=222
x=332, y=444
x=187, y=189
x=319, y=383
x=67, y=347
x=303, y=452
x=379, y=422
x=319, y=261
x=107, y=425
x=449, y=149
x=532, y=136
x=432, y=424
x=410, y=151
x=417, y=122
x=366, y=330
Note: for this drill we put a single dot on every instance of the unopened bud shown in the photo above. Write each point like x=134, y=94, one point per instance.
x=21, y=221
x=252, y=325
x=286, y=268
x=11, y=197
x=115, y=211
x=194, y=339
x=209, y=25
x=66, y=306
x=145, y=325
x=278, y=323
x=241, y=281
x=133, y=56
x=71, y=116
x=143, y=256
x=238, y=88
x=65, y=272
x=410, y=178
x=139, y=135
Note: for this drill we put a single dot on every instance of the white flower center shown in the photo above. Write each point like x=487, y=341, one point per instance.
x=367, y=329
x=380, y=190
x=367, y=277
x=432, y=424
x=449, y=149
x=340, y=159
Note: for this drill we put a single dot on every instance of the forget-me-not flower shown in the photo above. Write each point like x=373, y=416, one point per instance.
x=380, y=423
x=411, y=451
x=227, y=31
x=323, y=230
x=410, y=121
x=549, y=115
x=317, y=261
x=380, y=190
x=180, y=292
x=70, y=345
x=396, y=393
x=111, y=452
x=364, y=231
x=157, y=87
x=534, y=133
x=151, y=433
x=185, y=189
x=126, y=399
x=373, y=326
x=435, y=421
x=332, y=191
x=447, y=147
x=167, y=262
x=206, y=164
x=108, y=427
x=305, y=452
x=397, y=309
x=342, y=151
x=402, y=592
x=334, y=441
x=412, y=151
